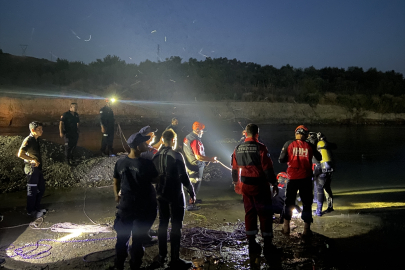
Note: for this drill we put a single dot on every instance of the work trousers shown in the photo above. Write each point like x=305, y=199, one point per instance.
x=196, y=178
x=70, y=144
x=107, y=142
x=175, y=213
x=322, y=183
x=35, y=189
x=257, y=202
x=139, y=225
x=304, y=186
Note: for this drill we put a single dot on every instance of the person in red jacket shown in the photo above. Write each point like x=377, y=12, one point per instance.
x=298, y=155
x=252, y=165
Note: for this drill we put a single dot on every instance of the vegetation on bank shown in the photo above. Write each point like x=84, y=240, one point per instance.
x=212, y=80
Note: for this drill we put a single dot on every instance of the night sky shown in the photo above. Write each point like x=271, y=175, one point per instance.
x=364, y=33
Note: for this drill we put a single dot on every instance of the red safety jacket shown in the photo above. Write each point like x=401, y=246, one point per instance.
x=251, y=163
x=298, y=155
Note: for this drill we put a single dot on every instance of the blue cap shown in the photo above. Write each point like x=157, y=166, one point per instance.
x=146, y=130
x=136, y=139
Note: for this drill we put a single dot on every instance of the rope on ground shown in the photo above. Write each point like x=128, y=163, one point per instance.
x=208, y=240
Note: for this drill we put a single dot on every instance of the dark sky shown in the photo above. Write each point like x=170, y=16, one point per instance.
x=364, y=33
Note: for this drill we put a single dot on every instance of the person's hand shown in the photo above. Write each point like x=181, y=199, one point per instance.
x=275, y=190
x=102, y=129
x=61, y=134
x=192, y=200
x=214, y=160
x=117, y=198
x=35, y=163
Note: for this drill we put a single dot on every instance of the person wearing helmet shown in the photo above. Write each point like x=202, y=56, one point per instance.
x=323, y=170
x=195, y=158
x=107, y=122
x=298, y=155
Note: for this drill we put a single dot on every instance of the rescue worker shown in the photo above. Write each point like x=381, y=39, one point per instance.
x=136, y=198
x=251, y=163
x=279, y=200
x=69, y=131
x=171, y=201
x=298, y=155
x=323, y=172
x=195, y=158
x=148, y=131
x=30, y=152
x=107, y=122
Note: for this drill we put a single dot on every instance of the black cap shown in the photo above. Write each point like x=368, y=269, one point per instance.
x=136, y=139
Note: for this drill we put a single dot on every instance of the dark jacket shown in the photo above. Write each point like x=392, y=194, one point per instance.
x=252, y=163
x=173, y=175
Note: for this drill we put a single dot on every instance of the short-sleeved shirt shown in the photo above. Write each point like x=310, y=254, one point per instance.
x=198, y=148
x=137, y=192
x=70, y=122
x=107, y=118
x=32, y=148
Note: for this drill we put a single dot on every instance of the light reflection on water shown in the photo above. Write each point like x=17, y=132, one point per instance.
x=367, y=156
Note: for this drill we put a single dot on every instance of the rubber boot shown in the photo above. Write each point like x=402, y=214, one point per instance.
x=330, y=205
x=254, y=247
x=175, y=261
x=269, y=248
x=119, y=262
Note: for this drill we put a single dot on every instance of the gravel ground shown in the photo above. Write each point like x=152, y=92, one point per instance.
x=89, y=171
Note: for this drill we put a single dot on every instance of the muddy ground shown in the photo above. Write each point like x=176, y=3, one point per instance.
x=344, y=239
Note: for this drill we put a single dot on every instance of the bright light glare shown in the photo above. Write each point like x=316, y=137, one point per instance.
x=113, y=100
x=70, y=236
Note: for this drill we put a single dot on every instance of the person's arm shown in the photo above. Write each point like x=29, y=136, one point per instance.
x=283, y=158
x=153, y=173
x=196, y=150
x=235, y=168
x=183, y=176
x=117, y=188
x=117, y=184
x=78, y=123
x=102, y=120
x=61, y=127
x=267, y=165
x=22, y=154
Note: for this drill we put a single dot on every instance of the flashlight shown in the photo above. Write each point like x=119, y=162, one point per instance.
x=112, y=100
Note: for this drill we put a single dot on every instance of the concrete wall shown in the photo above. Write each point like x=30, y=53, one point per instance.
x=21, y=111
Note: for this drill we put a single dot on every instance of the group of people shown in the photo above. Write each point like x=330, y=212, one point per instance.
x=150, y=180
x=69, y=130
x=253, y=174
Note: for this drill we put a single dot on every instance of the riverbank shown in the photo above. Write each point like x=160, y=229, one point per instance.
x=16, y=112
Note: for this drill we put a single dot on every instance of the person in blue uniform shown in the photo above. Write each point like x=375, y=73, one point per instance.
x=30, y=152
x=107, y=122
x=136, y=198
x=69, y=131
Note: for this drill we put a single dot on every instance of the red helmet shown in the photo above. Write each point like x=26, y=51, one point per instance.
x=301, y=129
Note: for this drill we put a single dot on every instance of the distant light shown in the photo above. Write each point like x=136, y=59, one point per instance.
x=113, y=100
